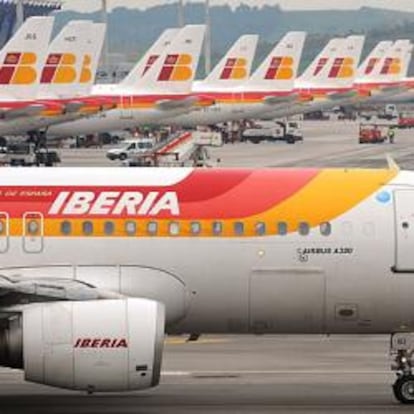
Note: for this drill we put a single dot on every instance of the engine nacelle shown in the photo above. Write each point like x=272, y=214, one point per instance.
x=104, y=345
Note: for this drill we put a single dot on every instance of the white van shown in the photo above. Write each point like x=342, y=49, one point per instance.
x=130, y=148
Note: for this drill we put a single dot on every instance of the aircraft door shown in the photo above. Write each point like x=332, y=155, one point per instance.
x=126, y=106
x=4, y=232
x=287, y=301
x=404, y=227
x=33, y=232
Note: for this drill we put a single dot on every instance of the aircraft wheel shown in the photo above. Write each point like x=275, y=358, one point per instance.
x=404, y=389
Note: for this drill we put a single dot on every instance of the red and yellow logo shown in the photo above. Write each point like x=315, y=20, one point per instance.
x=234, y=68
x=342, y=68
x=176, y=68
x=320, y=65
x=151, y=60
x=86, y=71
x=392, y=66
x=59, y=68
x=281, y=68
x=372, y=63
x=18, y=69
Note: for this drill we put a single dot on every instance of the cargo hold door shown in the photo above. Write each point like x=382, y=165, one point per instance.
x=287, y=300
x=404, y=228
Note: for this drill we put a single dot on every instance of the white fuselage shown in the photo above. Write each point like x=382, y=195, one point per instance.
x=342, y=283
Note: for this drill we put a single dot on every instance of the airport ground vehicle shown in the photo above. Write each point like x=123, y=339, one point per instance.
x=406, y=120
x=26, y=154
x=183, y=148
x=372, y=134
x=273, y=131
x=130, y=148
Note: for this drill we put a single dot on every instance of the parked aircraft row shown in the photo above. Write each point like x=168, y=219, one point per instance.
x=51, y=86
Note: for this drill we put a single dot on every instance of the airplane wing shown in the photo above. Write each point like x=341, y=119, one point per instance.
x=16, y=290
x=339, y=96
x=34, y=109
x=189, y=103
x=278, y=100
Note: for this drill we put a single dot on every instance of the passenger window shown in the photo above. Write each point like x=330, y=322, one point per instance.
x=282, y=228
x=303, y=229
x=130, y=228
x=109, y=228
x=2, y=227
x=217, y=228
x=66, y=227
x=325, y=228
x=239, y=228
x=87, y=228
x=33, y=227
x=195, y=228
x=174, y=228
x=260, y=228
x=152, y=228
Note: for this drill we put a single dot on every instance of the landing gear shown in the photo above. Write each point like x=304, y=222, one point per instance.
x=402, y=349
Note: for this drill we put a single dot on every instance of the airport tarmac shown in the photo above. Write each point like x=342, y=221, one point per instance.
x=326, y=144
x=238, y=374
x=251, y=374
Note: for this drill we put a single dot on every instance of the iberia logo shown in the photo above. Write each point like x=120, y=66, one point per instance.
x=281, y=68
x=392, y=66
x=176, y=68
x=234, y=68
x=320, y=65
x=86, y=71
x=372, y=63
x=151, y=60
x=59, y=68
x=18, y=69
x=342, y=68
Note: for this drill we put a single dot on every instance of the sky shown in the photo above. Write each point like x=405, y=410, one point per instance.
x=407, y=5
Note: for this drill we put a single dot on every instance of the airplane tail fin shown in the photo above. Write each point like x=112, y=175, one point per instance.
x=173, y=72
x=393, y=67
x=336, y=66
x=366, y=69
x=149, y=57
x=234, y=68
x=21, y=59
x=278, y=71
x=65, y=60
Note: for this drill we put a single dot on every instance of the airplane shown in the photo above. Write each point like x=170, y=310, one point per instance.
x=163, y=90
x=269, y=87
x=95, y=267
x=64, y=79
x=328, y=79
x=386, y=74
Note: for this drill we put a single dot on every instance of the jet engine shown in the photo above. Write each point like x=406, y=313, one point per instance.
x=100, y=345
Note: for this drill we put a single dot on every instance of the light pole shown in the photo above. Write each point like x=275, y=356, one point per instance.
x=19, y=14
x=181, y=19
x=207, y=41
x=104, y=18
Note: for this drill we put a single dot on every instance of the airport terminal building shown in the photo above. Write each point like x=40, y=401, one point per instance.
x=13, y=12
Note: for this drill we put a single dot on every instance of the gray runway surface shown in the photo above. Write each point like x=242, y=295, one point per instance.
x=300, y=374
x=238, y=374
x=326, y=144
